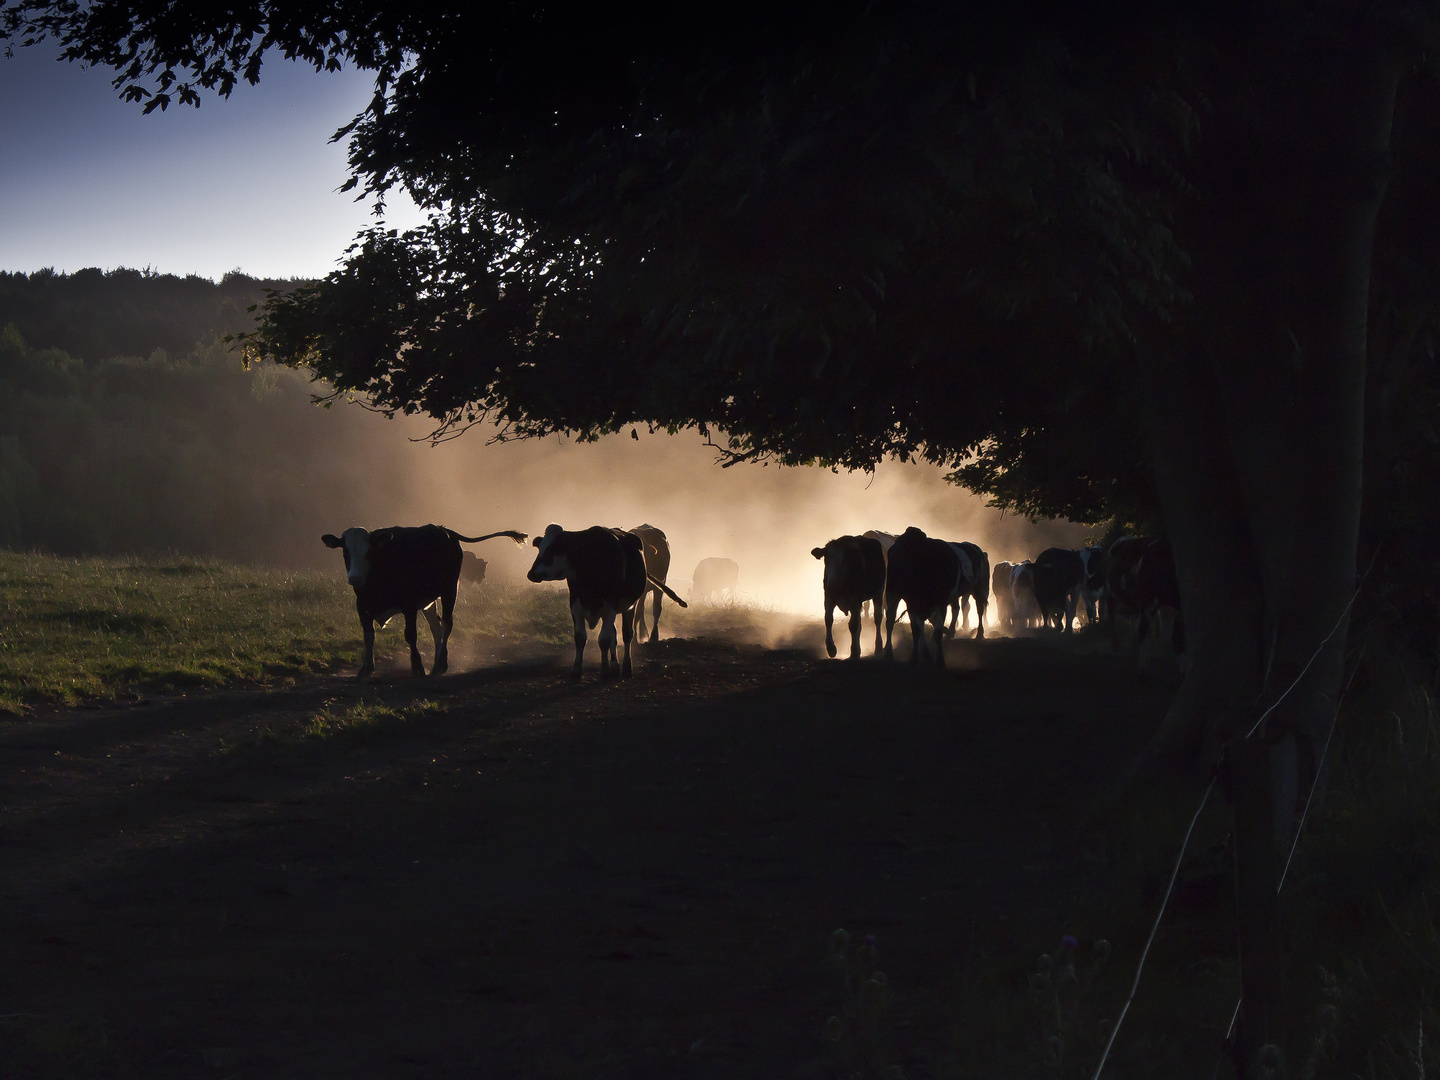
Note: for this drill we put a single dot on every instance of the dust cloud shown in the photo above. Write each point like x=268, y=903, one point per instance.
x=766, y=518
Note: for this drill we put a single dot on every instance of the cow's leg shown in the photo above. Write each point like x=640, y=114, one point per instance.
x=890, y=609
x=640, y=615
x=447, y=627
x=417, y=667
x=607, y=644
x=855, y=632
x=627, y=631
x=876, y=606
x=577, y=612
x=939, y=620
x=1070, y=602
x=951, y=619
x=830, y=629
x=965, y=611
x=655, y=612
x=438, y=632
x=367, y=630
x=981, y=604
x=917, y=634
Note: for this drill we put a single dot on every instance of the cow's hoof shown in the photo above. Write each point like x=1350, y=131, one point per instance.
x=440, y=668
x=625, y=672
x=364, y=673
x=830, y=649
x=417, y=672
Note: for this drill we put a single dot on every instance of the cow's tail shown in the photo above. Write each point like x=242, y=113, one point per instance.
x=518, y=537
x=666, y=590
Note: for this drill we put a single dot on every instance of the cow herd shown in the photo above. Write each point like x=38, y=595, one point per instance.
x=1131, y=580
x=612, y=572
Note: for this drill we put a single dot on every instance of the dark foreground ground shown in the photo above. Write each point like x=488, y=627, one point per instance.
x=552, y=880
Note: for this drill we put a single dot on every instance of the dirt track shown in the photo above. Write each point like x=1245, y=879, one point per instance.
x=550, y=880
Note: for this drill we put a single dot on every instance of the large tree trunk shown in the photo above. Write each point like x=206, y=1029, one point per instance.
x=1257, y=421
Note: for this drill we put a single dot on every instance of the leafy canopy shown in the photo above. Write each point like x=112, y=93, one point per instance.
x=831, y=235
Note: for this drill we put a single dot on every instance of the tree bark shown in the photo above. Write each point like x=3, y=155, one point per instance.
x=1257, y=420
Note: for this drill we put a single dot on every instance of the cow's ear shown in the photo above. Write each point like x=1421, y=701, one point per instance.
x=819, y=553
x=331, y=540
x=537, y=540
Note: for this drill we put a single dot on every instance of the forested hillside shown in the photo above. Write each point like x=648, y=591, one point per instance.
x=94, y=315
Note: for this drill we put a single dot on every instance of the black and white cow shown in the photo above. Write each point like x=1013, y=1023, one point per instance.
x=656, y=550
x=1122, y=583
x=399, y=571
x=1142, y=585
x=887, y=540
x=1058, y=575
x=1092, y=586
x=605, y=569
x=1022, y=593
x=1004, y=596
x=854, y=574
x=926, y=575
x=714, y=577
x=974, y=584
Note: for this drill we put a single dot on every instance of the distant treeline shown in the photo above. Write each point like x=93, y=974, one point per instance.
x=191, y=453
x=94, y=315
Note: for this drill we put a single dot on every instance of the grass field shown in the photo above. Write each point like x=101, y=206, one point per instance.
x=94, y=629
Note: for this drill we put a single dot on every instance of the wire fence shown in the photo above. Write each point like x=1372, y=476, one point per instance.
x=1205, y=798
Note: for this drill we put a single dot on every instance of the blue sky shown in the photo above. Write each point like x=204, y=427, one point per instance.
x=249, y=183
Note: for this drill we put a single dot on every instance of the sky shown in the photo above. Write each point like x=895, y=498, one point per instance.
x=251, y=184
x=246, y=183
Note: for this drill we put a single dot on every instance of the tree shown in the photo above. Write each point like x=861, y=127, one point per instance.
x=1099, y=259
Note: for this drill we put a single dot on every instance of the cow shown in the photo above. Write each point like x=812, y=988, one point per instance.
x=473, y=568
x=1159, y=591
x=854, y=573
x=1141, y=584
x=713, y=577
x=656, y=550
x=887, y=540
x=605, y=570
x=1022, y=592
x=975, y=583
x=1122, y=583
x=1004, y=598
x=399, y=571
x=1092, y=586
x=1058, y=575
x=926, y=574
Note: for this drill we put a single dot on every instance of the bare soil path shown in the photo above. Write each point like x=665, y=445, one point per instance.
x=544, y=879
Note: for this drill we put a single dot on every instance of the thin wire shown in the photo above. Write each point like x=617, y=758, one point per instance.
x=1140, y=967
x=1300, y=829
x=1321, y=648
x=1206, y=798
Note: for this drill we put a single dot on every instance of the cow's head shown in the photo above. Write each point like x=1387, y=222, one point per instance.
x=837, y=555
x=550, y=564
x=357, y=546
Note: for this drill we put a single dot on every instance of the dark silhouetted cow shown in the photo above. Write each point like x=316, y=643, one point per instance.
x=605, y=569
x=399, y=571
x=714, y=577
x=1057, y=577
x=1092, y=587
x=473, y=568
x=926, y=575
x=854, y=573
